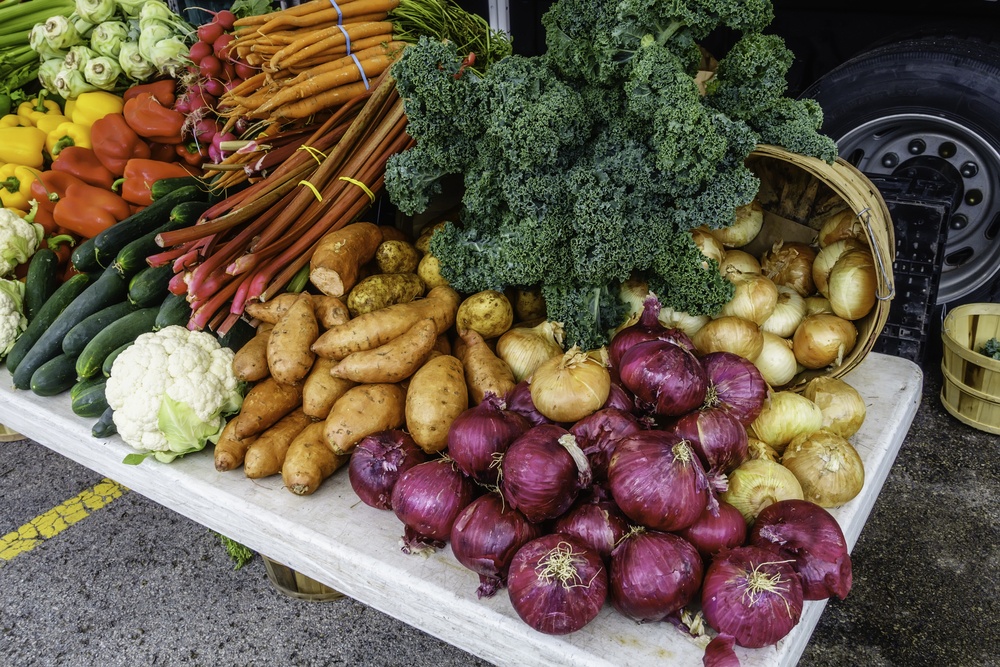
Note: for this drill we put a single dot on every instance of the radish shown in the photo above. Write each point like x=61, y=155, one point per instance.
x=199, y=50
x=209, y=32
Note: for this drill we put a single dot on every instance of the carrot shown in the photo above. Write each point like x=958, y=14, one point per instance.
x=362, y=411
x=266, y=403
x=323, y=40
x=395, y=361
x=331, y=98
x=288, y=348
x=348, y=11
x=351, y=72
x=231, y=449
x=484, y=370
x=267, y=453
x=303, y=9
x=309, y=461
x=336, y=262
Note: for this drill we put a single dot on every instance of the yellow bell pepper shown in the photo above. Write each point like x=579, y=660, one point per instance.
x=93, y=106
x=68, y=107
x=50, y=122
x=22, y=145
x=12, y=120
x=35, y=108
x=15, y=186
x=67, y=134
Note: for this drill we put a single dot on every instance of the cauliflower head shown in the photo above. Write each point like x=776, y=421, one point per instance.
x=171, y=391
x=19, y=239
x=12, y=319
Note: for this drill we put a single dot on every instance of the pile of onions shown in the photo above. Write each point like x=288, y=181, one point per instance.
x=728, y=333
x=758, y=483
x=597, y=435
x=485, y=537
x=665, y=376
x=811, y=538
x=653, y=574
x=843, y=408
x=525, y=348
x=427, y=499
x=557, y=584
x=776, y=361
x=785, y=416
x=519, y=400
x=378, y=461
x=658, y=481
x=791, y=264
x=570, y=386
x=827, y=466
x=597, y=523
x=852, y=285
x=754, y=299
x=788, y=313
x=753, y=595
x=647, y=327
x=734, y=383
x=543, y=472
x=827, y=257
x=714, y=531
x=717, y=436
x=480, y=435
x=739, y=261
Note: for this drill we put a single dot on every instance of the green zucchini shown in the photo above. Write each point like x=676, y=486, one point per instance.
x=109, y=288
x=105, y=427
x=87, y=398
x=77, y=338
x=149, y=286
x=54, y=376
x=47, y=314
x=110, y=242
x=127, y=329
x=165, y=186
x=132, y=258
x=109, y=360
x=41, y=282
x=84, y=257
x=175, y=309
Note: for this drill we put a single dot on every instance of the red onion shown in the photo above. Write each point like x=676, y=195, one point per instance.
x=735, y=384
x=713, y=532
x=717, y=436
x=556, y=584
x=665, y=376
x=485, y=537
x=658, y=481
x=597, y=523
x=752, y=594
x=620, y=398
x=598, y=433
x=648, y=327
x=481, y=434
x=519, y=400
x=720, y=653
x=543, y=471
x=653, y=575
x=808, y=534
x=378, y=461
x=427, y=499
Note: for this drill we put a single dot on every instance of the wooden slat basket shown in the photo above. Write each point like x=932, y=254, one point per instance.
x=297, y=585
x=970, y=388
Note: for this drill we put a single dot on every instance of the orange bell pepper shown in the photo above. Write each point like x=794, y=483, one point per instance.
x=154, y=121
x=140, y=175
x=83, y=163
x=115, y=143
x=87, y=210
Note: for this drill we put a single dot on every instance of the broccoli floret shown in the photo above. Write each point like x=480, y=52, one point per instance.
x=588, y=313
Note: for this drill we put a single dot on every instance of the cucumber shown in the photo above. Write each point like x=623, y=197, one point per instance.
x=165, y=186
x=238, y=335
x=132, y=258
x=149, y=286
x=54, y=376
x=84, y=257
x=47, y=314
x=77, y=338
x=41, y=282
x=110, y=242
x=87, y=398
x=108, y=289
x=109, y=360
x=175, y=309
x=105, y=427
x=127, y=329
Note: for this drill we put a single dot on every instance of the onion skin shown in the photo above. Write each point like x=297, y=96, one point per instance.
x=809, y=535
x=427, y=499
x=720, y=653
x=538, y=474
x=557, y=605
x=717, y=437
x=711, y=533
x=378, y=461
x=480, y=434
x=791, y=264
x=519, y=400
x=734, y=602
x=658, y=481
x=665, y=376
x=485, y=537
x=597, y=435
x=620, y=398
x=735, y=383
x=653, y=574
x=597, y=523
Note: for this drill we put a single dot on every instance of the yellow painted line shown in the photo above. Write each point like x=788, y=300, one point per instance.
x=58, y=519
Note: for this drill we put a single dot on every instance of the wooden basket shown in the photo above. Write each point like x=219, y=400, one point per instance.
x=835, y=185
x=297, y=585
x=971, y=380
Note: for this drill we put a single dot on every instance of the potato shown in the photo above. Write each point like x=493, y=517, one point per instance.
x=429, y=270
x=488, y=312
x=484, y=371
x=382, y=290
x=321, y=390
x=250, y=361
x=330, y=310
x=528, y=304
x=273, y=309
x=396, y=360
x=337, y=259
x=289, y=353
x=392, y=233
x=397, y=257
x=423, y=241
x=436, y=395
x=361, y=411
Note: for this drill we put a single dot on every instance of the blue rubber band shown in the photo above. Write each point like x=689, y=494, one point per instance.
x=340, y=14
x=347, y=37
x=362, y=70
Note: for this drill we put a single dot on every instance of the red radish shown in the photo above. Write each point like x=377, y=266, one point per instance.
x=210, y=67
x=220, y=47
x=214, y=87
x=226, y=19
x=228, y=70
x=209, y=32
x=243, y=70
x=199, y=50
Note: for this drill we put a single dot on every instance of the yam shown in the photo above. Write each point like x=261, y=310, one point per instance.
x=266, y=403
x=330, y=310
x=391, y=233
x=484, y=370
x=250, y=361
x=337, y=260
x=289, y=348
x=273, y=309
x=382, y=290
x=309, y=461
x=362, y=411
x=231, y=449
x=396, y=360
x=266, y=454
x=436, y=395
x=321, y=389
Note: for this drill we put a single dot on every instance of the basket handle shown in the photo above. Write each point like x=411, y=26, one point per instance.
x=865, y=217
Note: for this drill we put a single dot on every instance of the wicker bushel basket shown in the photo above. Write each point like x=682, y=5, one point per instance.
x=970, y=388
x=800, y=192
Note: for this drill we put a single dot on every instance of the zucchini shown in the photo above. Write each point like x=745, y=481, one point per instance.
x=109, y=288
x=105, y=427
x=41, y=282
x=132, y=258
x=77, y=338
x=87, y=398
x=165, y=186
x=127, y=329
x=47, y=314
x=149, y=286
x=84, y=257
x=175, y=309
x=109, y=360
x=188, y=212
x=54, y=376
x=109, y=243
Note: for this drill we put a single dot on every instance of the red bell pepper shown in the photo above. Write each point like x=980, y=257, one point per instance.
x=50, y=187
x=87, y=211
x=152, y=120
x=83, y=163
x=115, y=143
x=164, y=91
x=162, y=152
x=140, y=175
x=191, y=154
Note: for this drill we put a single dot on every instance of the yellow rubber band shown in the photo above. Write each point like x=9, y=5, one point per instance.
x=371, y=195
x=312, y=187
x=314, y=152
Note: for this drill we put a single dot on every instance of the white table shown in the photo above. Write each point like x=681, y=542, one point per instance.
x=334, y=538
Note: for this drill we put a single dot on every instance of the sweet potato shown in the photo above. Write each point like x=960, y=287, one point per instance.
x=309, y=461
x=289, y=353
x=330, y=310
x=436, y=395
x=266, y=403
x=361, y=411
x=484, y=370
x=391, y=233
x=382, y=290
x=250, y=361
x=396, y=360
x=273, y=309
x=267, y=453
x=371, y=330
x=339, y=256
x=321, y=390
x=231, y=449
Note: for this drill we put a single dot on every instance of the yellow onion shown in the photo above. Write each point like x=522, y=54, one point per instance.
x=843, y=408
x=678, y=319
x=709, y=245
x=826, y=258
x=790, y=264
x=738, y=261
x=776, y=361
x=785, y=416
x=840, y=226
x=754, y=298
x=828, y=467
x=571, y=386
x=788, y=313
x=525, y=348
x=758, y=483
x=852, y=285
x=758, y=449
x=633, y=293
x=749, y=220
x=729, y=334
x=824, y=340
x=817, y=303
